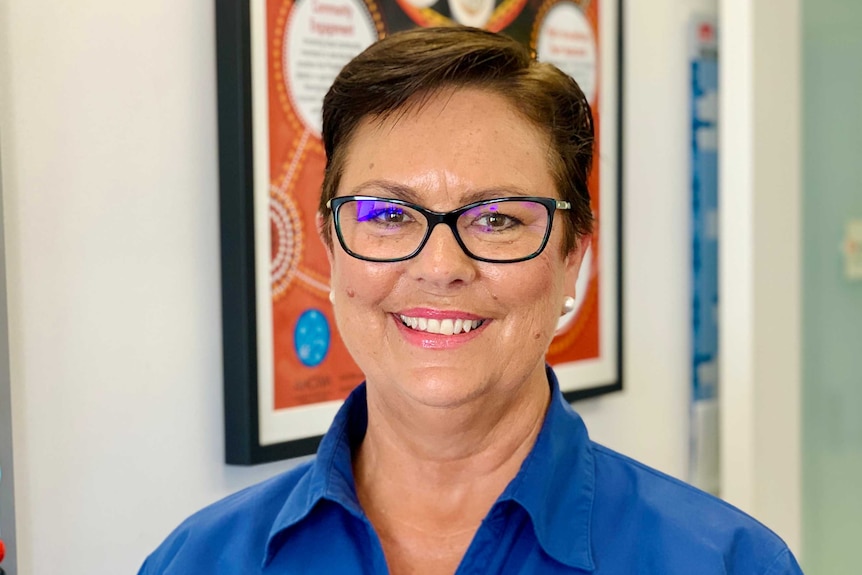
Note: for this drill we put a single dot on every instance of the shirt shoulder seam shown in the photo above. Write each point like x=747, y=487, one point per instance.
x=782, y=553
x=690, y=488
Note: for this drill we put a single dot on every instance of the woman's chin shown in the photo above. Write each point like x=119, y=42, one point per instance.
x=440, y=387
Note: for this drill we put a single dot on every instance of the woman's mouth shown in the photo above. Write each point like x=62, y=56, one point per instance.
x=446, y=326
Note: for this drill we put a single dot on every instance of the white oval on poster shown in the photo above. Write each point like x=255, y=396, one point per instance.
x=566, y=40
x=474, y=13
x=321, y=36
x=422, y=3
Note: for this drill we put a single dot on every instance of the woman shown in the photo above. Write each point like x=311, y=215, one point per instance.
x=456, y=213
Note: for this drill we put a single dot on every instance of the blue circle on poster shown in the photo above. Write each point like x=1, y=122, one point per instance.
x=311, y=337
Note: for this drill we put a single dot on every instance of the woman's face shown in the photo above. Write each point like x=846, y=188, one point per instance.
x=460, y=146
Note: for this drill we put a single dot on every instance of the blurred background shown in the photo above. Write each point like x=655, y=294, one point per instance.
x=111, y=414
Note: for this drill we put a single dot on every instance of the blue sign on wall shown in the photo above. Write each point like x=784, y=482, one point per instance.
x=704, y=460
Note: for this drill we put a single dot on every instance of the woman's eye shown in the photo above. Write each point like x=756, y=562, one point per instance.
x=495, y=221
x=377, y=213
x=391, y=216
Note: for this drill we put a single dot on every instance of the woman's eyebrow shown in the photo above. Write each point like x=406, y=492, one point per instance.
x=492, y=193
x=390, y=189
x=386, y=188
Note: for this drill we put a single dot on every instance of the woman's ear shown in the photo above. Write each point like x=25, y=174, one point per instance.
x=575, y=257
x=321, y=232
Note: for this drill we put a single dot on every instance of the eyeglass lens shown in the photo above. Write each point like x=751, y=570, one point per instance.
x=502, y=230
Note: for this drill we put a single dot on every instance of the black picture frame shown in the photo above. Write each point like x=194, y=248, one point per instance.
x=243, y=444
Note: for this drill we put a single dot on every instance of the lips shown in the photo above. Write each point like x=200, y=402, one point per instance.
x=444, y=326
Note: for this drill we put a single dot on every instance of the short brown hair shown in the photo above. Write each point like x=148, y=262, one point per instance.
x=405, y=69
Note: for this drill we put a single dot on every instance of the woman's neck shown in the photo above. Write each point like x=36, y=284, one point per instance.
x=426, y=477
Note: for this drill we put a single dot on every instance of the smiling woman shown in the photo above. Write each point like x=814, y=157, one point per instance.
x=473, y=143
x=459, y=452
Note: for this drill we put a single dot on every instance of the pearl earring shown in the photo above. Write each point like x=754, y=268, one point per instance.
x=332, y=297
x=568, y=304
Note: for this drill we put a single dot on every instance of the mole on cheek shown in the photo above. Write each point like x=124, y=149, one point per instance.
x=371, y=166
x=350, y=292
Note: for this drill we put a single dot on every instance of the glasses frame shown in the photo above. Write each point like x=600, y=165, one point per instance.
x=450, y=219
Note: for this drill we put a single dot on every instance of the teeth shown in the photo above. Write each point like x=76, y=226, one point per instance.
x=447, y=327
x=443, y=327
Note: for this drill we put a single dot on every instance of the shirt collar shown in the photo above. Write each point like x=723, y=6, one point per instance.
x=559, y=466
x=331, y=474
x=556, y=484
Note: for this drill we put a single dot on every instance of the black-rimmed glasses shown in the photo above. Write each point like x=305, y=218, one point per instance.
x=502, y=230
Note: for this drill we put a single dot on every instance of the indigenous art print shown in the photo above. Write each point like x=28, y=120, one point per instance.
x=286, y=369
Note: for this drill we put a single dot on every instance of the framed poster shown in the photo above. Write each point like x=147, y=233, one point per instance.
x=286, y=370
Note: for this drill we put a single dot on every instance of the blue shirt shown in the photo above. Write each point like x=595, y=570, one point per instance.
x=575, y=507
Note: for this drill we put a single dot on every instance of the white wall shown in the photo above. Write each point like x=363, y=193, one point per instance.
x=760, y=261
x=108, y=126
x=649, y=420
x=110, y=183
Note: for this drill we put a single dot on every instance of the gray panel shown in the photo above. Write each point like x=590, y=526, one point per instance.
x=7, y=492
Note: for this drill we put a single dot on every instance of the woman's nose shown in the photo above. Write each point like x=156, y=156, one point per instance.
x=442, y=262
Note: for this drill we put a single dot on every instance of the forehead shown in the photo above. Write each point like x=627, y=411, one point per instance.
x=455, y=144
